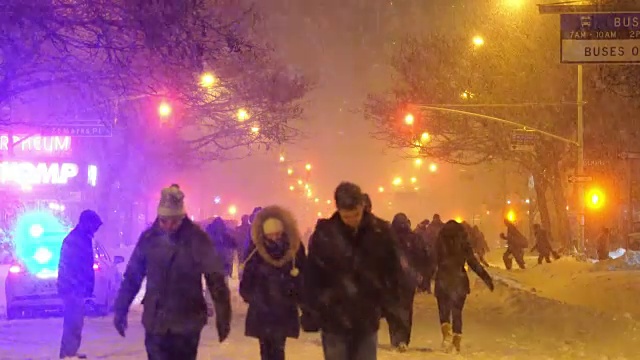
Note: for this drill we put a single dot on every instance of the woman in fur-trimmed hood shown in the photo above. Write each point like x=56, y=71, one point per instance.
x=272, y=281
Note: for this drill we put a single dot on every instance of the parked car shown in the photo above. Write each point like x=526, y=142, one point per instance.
x=29, y=292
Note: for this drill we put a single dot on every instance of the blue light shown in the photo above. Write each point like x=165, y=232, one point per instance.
x=38, y=237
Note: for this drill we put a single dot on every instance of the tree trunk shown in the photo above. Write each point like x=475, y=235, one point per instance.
x=560, y=206
x=540, y=186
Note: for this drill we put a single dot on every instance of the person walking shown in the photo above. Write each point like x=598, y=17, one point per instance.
x=453, y=251
x=352, y=274
x=272, y=281
x=173, y=255
x=76, y=280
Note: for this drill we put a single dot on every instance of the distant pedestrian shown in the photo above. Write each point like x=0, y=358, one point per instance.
x=76, y=280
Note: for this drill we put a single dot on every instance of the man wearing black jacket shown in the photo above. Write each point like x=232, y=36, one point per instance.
x=353, y=273
x=173, y=255
x=76, y=280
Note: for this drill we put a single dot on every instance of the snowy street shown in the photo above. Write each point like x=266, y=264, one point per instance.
x=511, y=323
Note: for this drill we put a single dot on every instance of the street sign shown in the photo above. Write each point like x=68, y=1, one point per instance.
x=579, y=179
x=600, y=38
x=523, y=140
x=629, y=155
x=80, y=129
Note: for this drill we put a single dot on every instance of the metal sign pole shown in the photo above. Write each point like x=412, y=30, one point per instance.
x=581, y=196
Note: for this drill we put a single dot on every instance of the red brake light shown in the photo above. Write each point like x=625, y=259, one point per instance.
x=96, y=267
x=15, y=269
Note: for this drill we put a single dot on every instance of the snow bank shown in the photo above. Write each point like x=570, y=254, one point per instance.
x=626, y=260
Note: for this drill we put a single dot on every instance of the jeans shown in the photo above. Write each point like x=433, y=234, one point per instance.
x=72, y=325
x=172, y=346
x=450, y=310
x=272, y=348
x=350, y=346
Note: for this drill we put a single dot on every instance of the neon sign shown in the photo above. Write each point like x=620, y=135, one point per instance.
x=37, y=144
x=26, y=174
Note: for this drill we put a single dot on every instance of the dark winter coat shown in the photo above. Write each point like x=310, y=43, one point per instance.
x=413, y=254
x=351, y=276
x=515, y=240
x=75, y=269
x=543, y=243
x=174, y=265
x=452, y=253
x=478, y=242
x=269, y=283
x=243, y=239
x=223, y=242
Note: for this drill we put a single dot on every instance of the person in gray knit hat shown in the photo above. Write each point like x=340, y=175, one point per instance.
x=173, y=255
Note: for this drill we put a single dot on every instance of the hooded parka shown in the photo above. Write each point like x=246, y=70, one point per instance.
x=272, y=278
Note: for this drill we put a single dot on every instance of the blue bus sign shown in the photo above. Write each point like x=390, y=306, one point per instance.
x=600, y=38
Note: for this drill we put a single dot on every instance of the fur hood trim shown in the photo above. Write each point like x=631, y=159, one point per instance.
x=290, y=229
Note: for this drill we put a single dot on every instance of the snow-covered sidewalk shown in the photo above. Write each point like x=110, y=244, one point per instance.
x=506, y=324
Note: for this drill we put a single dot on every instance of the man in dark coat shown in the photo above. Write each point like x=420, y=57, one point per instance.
x=415, y=263
x=173, y=255
x=353, y=273
x=543, y=245
x=429, y=236
x=76, y=280
x=223, y=242
x=516, y=245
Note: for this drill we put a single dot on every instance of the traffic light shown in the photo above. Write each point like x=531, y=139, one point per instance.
x=595, y=198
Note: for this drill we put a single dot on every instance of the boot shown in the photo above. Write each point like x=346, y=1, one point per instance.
x=446, y=334
x=455, y=342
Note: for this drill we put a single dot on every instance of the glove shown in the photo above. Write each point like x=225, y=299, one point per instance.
x=120, y=323
x=309, y=322
x=224, y=328
x=489, y=281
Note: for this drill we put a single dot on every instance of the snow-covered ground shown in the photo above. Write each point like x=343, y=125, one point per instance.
x=514, y=322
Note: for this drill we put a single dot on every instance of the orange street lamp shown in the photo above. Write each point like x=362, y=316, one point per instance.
x=308, y=167
x=409, y=119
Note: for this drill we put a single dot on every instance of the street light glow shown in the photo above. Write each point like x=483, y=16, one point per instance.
x=308, y=167
x=478, y=40
x=418, y=162
x=164, y=109
x=511, y=216
x=291, y=187
x=425, y=137
x=281, y=158
x=242, y=115
x=232, y=210
x=255, y=129
x=207, y=80
x=409, y=119
x=290, y=172
x=433, y=167
x=397, y=181
x=414, y=180
x=381, y=189
x=595, y=199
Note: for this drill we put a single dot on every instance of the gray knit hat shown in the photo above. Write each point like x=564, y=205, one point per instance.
x=171, y=202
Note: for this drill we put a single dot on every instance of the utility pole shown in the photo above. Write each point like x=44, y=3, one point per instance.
x=581, y=199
